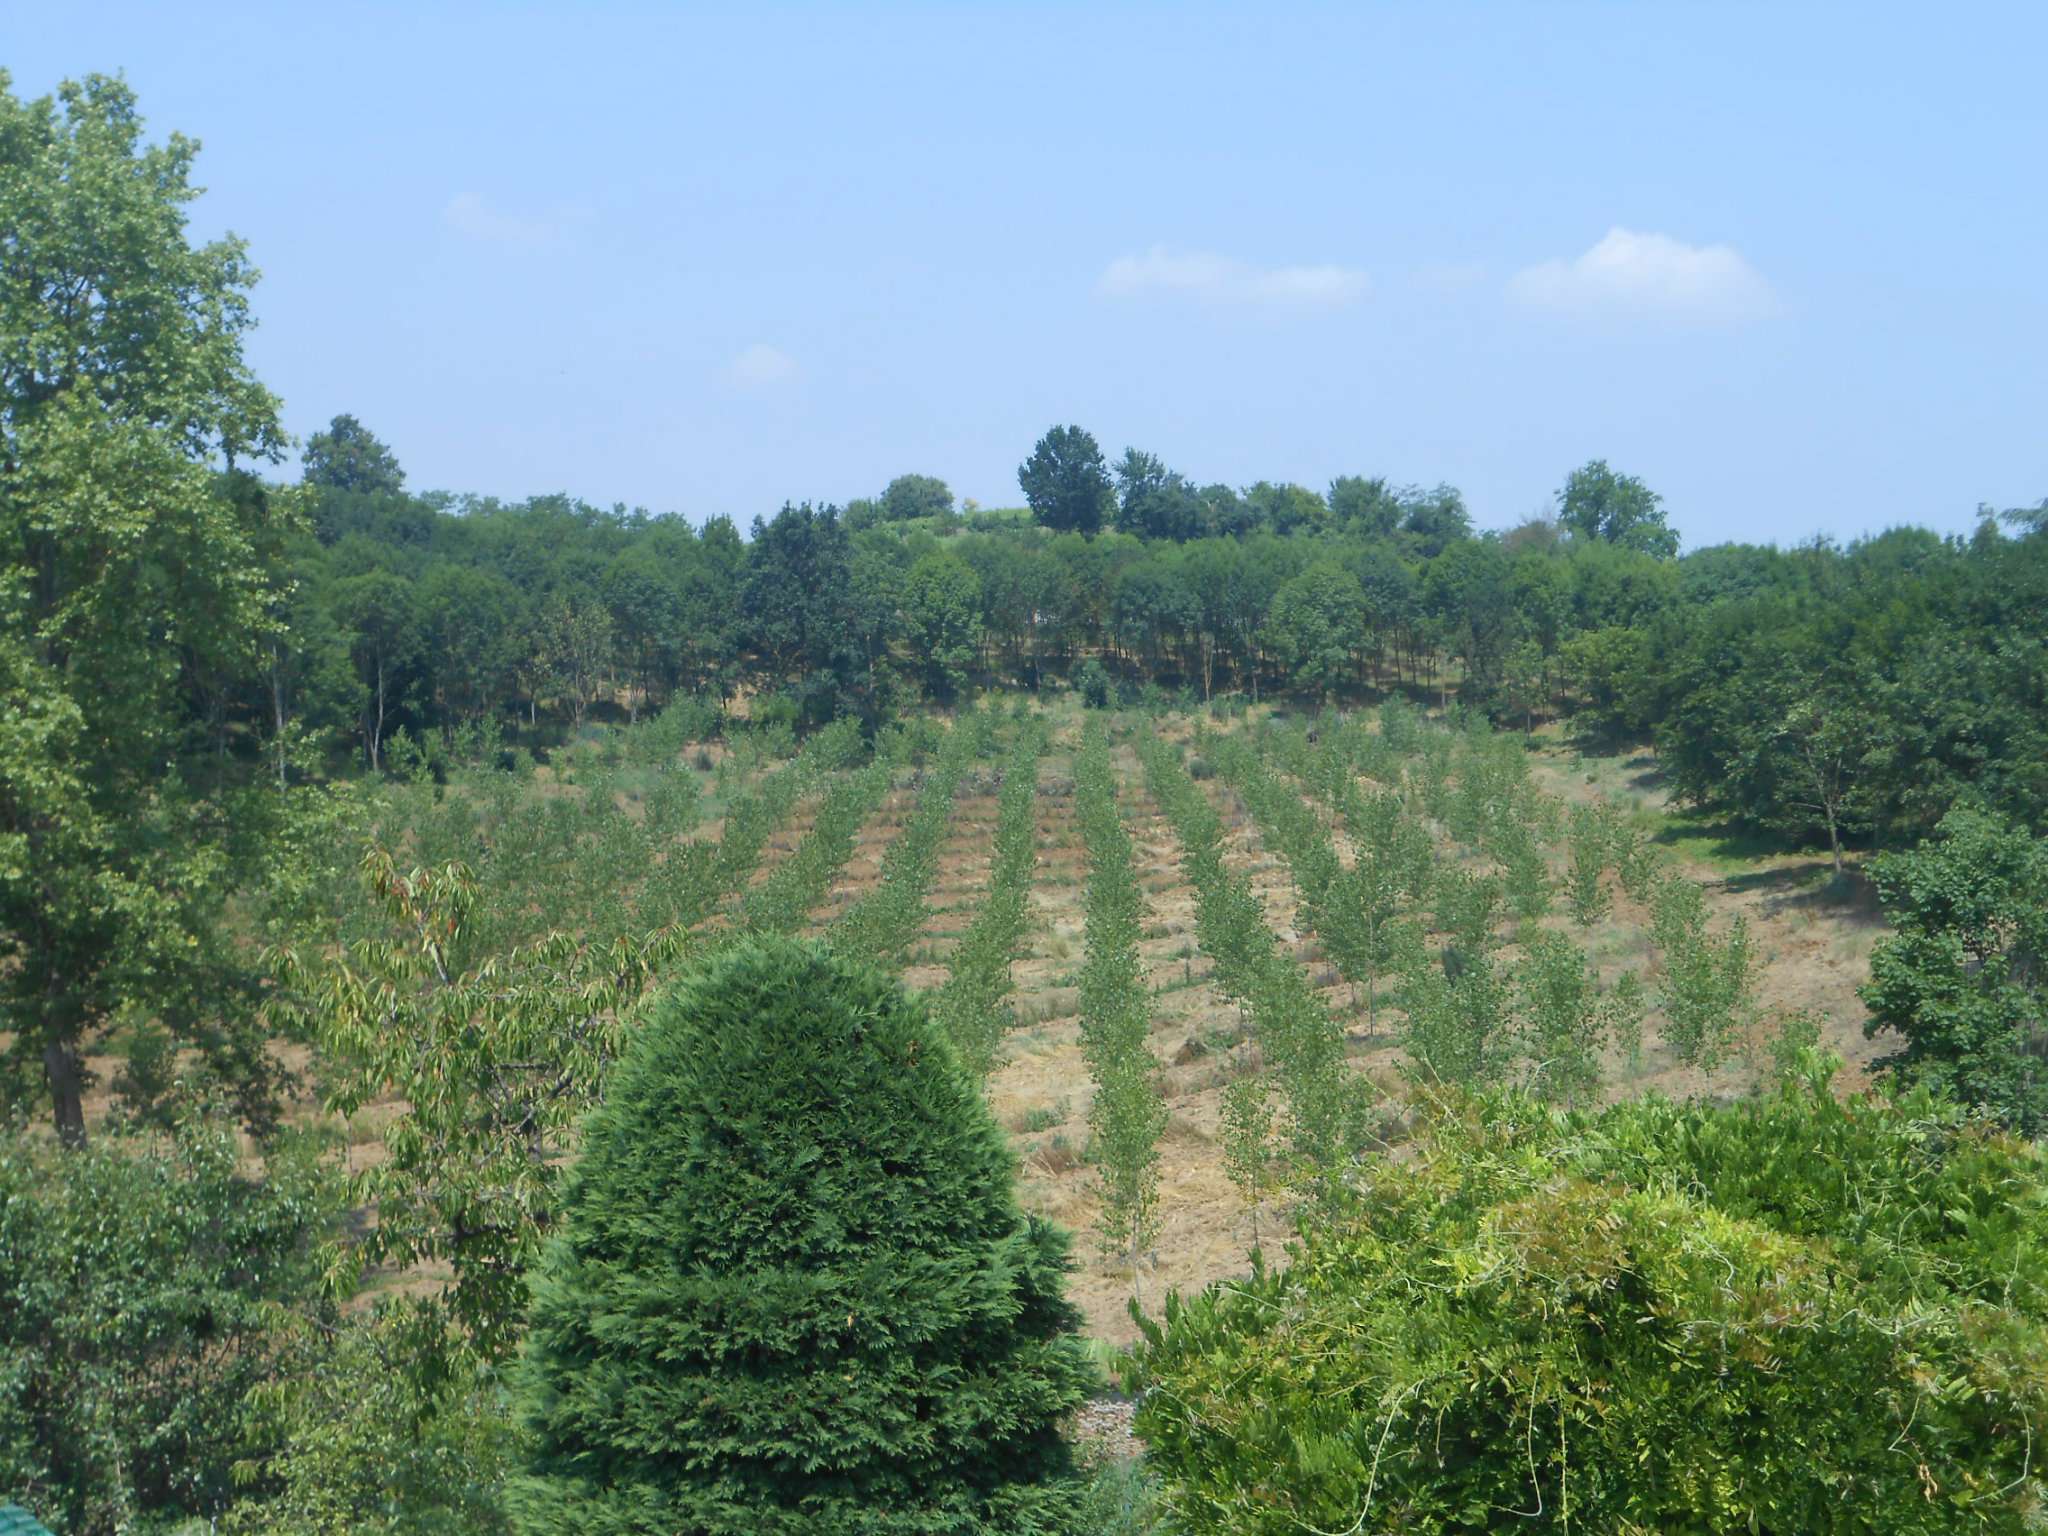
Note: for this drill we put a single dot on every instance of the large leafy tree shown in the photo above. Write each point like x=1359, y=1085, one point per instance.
x=1961, y=983
x=144, y=1293
x=794, y=597
x=348, y=456
x=1316, y=628
x=1598, y=503
x=912, y=496
x=1153, y=501
x=942, y=621
x=793, y=1294
x=1065, y=482
x=127, y=568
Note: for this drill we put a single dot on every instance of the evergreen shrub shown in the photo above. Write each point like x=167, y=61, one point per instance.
x=792, y=1291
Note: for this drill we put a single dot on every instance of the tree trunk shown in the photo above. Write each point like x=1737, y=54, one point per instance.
x=377, y=730
x=277, y=707
x=66, y=1074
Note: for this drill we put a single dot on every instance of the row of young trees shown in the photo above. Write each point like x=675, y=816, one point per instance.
x=1127, y=1114
x=1298, y=1037
x=973, y=1005
x=881, y=925
x=781, y=903
x=1547, y=1020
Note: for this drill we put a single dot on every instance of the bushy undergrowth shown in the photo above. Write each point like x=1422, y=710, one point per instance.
x=141, y=1291
x=1797, y=1315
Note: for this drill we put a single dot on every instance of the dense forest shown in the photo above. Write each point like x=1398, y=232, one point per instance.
x=485, y=1048
x=1847, y=695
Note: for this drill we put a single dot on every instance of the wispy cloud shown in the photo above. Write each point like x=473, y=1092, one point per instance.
x=1648, y=274
x=1205, y=276
x=468, y=214
x=760, y=367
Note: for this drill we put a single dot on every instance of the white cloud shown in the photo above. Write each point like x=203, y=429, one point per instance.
x=1219, y=279
x=468, y=214
x=1648, y=274
x=760, y=367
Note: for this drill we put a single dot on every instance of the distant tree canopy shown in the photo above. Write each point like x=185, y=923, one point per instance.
x=1065, y=483
x=349, y=457
x=1597, y=503
x=913, y=496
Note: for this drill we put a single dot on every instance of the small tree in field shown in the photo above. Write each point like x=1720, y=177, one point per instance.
x=793, y=1292
x=1247, y=1143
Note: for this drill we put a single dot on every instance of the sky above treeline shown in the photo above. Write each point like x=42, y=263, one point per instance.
x=1783, y=262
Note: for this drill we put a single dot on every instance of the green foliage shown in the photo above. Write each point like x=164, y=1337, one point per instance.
x=494, y=1056
x=1248, y=1142
x=971, y=1005
x=348, y=456
x=379, y=1428
x=143, y=1289
x=881, y=925
x=1795, y=1317
x=1597, y=503
x=942, y=622
x=1593, y=849
x=800, y=882
x=1709, y=981
x=794, y=1293
x=696, y=875
x=131, y=581
x=1566, y=1020
x=1961, y=982
x=1093, y=684
x=1065, y=482
x=1459, y=1017
x=1327, y=1103
x=1127, y=1113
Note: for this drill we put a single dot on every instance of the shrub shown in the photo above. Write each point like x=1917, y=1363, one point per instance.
x=384, y=1429
x=1093, y=683
x=1790, y=1316
x=793, y=1292
x=1960, y=985
x=140, y=1295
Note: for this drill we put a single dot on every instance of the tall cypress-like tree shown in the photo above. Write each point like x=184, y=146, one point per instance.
x=793, y=1291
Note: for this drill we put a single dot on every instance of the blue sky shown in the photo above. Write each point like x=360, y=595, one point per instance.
x=1785, y=262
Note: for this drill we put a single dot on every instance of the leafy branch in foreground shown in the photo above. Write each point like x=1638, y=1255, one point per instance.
x=492, y=1057
x=1793, y=1315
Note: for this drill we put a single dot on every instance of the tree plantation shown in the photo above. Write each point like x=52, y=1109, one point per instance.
x=1170, y=1008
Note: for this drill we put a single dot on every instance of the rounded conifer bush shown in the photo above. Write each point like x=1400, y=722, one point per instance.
x=793, y=1291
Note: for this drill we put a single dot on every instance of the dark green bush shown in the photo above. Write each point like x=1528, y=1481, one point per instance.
x=793, y=1292
x=1093, y=683
x=1790, y=1317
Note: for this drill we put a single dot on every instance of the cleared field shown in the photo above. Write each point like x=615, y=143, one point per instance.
x=895, y=855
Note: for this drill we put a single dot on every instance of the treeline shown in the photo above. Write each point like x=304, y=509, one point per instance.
x=1839, y=694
